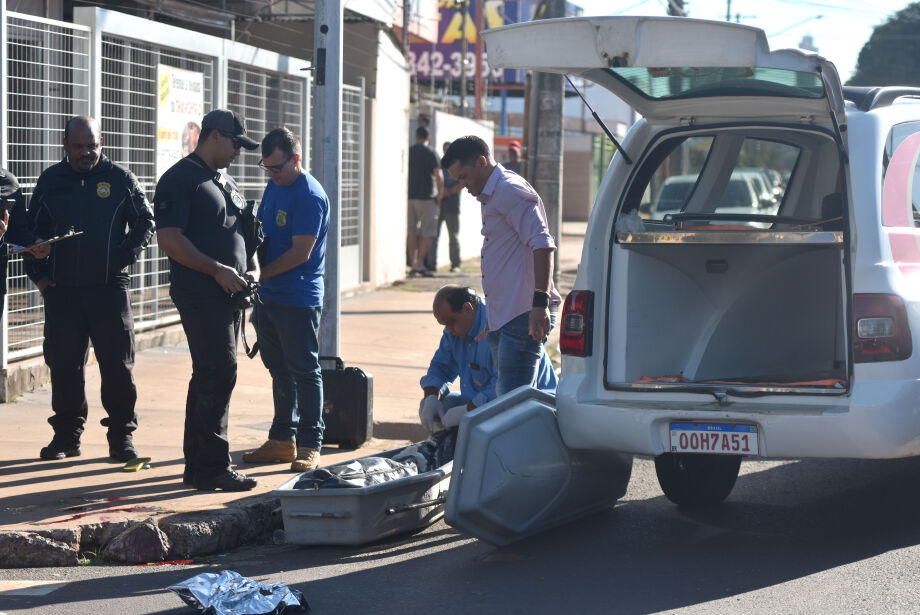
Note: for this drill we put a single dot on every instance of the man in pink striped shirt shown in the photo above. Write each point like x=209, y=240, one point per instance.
x=517, y=261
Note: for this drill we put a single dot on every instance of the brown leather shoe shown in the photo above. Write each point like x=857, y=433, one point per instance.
x=273, y=451
x=307, y=459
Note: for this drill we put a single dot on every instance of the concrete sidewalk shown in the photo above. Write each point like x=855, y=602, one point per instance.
x=53, y=510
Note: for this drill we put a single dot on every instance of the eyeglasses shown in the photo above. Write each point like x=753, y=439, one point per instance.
x=237, y=144
x=274, y=168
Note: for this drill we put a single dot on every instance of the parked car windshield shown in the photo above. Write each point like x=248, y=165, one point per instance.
x=685, y=82
x=728, y=174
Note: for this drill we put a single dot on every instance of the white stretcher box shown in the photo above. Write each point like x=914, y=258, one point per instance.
x=515, y=476
x=359, y=515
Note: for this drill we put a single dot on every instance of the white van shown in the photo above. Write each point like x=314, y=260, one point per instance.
x=709, y=335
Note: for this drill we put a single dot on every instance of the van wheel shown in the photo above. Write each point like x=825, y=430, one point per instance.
x=696, y=481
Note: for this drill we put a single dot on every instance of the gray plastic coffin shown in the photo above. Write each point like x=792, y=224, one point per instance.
x=513, y=475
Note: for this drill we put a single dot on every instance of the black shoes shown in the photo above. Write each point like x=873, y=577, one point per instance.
x=121, y=448
x=123, y=454
x=57, y=451
x=228, y=480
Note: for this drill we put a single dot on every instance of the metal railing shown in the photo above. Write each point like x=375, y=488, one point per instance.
x=50, y=76
x=267, y=101
x=350, y=190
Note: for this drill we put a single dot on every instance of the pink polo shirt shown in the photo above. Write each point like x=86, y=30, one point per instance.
x=513, y=226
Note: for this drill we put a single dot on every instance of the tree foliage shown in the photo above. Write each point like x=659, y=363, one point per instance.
x=892, y=54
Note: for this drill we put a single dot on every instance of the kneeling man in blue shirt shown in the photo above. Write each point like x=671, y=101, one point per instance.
x=463, y=314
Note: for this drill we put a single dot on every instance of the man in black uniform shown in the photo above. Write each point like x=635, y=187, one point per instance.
x=84, y=283
x=14, y=228
x=199, y=226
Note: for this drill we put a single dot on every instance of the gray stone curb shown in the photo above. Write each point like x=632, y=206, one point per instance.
x=156, y=539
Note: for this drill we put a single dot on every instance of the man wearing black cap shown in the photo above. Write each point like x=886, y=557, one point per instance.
x=199, y=215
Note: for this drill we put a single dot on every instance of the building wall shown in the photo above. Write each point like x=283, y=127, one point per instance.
x=387, y=176
x=448, y=127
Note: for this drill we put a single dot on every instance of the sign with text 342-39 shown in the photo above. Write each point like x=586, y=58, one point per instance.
x=180, y=107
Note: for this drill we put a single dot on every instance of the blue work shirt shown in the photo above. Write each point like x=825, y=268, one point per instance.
x=299, y=209
x=472, y=362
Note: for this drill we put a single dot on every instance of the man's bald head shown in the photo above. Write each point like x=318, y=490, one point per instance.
x=82, y=143
x=83, y=121
x=455, y=307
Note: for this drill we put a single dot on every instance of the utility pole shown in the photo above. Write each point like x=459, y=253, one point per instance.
x=405, y=33
x=327, y=155
x=477, y=84
x=728, y=10
x=545, y=140
x=464, y=49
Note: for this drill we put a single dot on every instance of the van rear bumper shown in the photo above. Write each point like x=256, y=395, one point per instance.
x=878, y=420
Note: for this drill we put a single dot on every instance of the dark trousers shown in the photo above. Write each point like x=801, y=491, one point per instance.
x=73, y=317
x=452, y=220
x=289, y=348
x=212, y=327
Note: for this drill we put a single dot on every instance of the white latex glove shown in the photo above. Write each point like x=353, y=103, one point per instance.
x=429, y=413
x=452, y=416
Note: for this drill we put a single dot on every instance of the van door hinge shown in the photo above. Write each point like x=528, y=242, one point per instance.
x=687, y=121
x=807, y=119
x=721, y=398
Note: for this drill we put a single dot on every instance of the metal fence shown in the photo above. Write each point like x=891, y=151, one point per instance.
x=49, y=77
x=129, y=124
x=267, y=101
x=48, y=81
x=350, y=189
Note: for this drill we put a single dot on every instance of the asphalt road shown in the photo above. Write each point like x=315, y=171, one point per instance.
x=815, y=536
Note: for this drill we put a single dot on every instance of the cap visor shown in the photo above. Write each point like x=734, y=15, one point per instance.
x=247, y=142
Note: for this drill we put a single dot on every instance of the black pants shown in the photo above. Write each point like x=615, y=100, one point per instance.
x=212, y=327
x=452, y=220
x=73, y=317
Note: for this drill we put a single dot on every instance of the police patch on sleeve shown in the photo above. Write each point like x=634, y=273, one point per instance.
x=103, y=190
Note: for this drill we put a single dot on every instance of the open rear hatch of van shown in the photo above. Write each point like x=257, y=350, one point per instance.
x=675, y=67
x=728, y=262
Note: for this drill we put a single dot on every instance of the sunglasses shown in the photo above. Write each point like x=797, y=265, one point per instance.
x=237, y=144
x=274, y=168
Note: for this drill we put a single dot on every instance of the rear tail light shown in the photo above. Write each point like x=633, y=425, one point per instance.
x=577, y=324
x=882, y=332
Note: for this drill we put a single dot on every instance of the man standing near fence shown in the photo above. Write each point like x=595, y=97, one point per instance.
x=295, y=217
x=200, y=220
x=84, y=282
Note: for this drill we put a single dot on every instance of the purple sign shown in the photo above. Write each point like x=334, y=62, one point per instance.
x=442, y=61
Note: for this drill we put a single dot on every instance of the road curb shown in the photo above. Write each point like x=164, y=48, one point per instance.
x=172, y=536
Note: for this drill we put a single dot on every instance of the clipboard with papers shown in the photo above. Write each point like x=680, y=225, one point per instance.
x=16, y=249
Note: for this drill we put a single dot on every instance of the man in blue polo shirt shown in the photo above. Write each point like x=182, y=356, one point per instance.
x=295, y=218
x=463, y=314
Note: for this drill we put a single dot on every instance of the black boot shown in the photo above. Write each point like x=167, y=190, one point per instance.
x=121, y=447
x=59, y=449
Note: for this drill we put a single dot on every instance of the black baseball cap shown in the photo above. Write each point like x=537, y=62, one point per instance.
x=230, y=124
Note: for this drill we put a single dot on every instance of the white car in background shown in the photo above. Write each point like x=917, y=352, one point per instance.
x=706, y=336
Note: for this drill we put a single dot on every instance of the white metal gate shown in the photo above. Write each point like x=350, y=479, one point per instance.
x=48, y=76
x=351, y=189
x=107, y=67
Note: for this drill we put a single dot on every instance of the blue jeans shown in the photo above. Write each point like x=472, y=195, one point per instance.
x=290, y=350
x=516, y=354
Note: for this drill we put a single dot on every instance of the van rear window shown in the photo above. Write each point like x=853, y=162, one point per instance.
x=686, y=82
